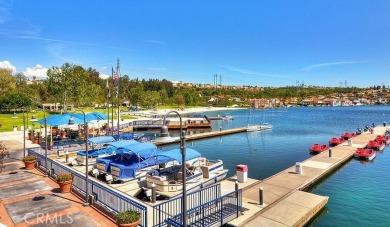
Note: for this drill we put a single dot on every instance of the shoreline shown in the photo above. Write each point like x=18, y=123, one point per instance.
x=186, y=110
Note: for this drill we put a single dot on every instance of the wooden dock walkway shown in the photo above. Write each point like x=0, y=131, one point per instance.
x=284, y=202
x=205, y=135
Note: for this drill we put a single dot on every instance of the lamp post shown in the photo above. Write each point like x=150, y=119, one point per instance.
x=24, y=135
x=34, y=119
x=71, y=122
x=164, y=137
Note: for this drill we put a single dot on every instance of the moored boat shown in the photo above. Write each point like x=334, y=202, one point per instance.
x=334, y=141
x=199, y=172
x=99, y=145
x=348, y=135
x=366, y=154
x=318, y=148
x=384, y=139
x=255, y=128
x=376, y=145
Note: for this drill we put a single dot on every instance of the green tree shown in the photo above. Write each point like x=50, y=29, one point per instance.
x=7, y=82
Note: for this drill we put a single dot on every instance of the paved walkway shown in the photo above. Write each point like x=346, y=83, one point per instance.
x=30, y=199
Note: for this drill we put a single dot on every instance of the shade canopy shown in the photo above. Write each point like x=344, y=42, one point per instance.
x=176, y=154
x=91, y=116
x=63, y=119
x=101, y=139
x=60, y=119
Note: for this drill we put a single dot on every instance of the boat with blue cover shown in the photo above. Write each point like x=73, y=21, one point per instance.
x=199, y=172
x=127, y=153
x=99, y=145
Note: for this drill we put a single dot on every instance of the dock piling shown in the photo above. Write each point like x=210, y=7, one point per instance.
x=261, y=197
x=330, y=152
x=298, y=168
x=350, y=142
x=153, y=193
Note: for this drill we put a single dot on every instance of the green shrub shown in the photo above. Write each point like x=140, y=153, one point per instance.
x=29, y=158
x=128, y=216
x=63, y=177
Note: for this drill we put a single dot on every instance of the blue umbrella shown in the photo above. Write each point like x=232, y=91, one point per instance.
x=60, y=119
x=91, y=116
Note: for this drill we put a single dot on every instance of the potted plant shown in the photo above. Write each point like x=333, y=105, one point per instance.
x=30, y=161
x=49, y=142
x=64, y=180
x=129, y=218
x=30, y=134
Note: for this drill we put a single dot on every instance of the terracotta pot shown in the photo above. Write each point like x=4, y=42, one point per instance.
x=133, y=224
x=30, y=164
x=66, y=186
x=30, y=136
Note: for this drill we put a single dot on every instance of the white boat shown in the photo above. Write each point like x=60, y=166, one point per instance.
x=226, y=117
x=199, y=170
x=255, y=128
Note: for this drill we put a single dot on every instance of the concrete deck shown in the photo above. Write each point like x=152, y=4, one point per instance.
x=27, y=198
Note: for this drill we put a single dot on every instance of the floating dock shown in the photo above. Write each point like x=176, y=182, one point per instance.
x=205, y=135
x=284, y=202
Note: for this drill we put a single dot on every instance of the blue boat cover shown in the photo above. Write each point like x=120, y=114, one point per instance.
x=94, y=153
x=142, y=159
x=107, y=160
x=138, y=147
x=101, y=139
x=176, y=154
x=124, y=149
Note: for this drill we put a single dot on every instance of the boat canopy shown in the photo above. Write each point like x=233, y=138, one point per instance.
x=129, y=146
x=175, y=154
x=101, y=139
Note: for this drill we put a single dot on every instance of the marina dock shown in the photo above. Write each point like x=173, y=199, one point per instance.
x=285, y=203
x=205, y=135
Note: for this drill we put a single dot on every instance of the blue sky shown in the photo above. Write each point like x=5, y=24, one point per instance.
x=259, y=43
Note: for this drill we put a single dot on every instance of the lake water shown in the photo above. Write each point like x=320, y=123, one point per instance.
x=359, y=192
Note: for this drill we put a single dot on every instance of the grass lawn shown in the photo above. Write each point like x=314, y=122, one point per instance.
x=8, y=122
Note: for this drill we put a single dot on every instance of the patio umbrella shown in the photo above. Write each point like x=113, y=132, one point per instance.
x=91, y=116
x=60, y=119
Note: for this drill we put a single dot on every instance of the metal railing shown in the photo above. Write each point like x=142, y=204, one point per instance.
x=111, y=200
x=173, y=207
x=216, y=212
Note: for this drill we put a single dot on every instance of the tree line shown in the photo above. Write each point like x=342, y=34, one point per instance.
x=74, y=84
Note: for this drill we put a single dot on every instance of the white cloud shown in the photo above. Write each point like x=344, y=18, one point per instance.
x=311, y=67
x=38, y=71
x=5, y=7
x=103, y=76
x=7, y=65
x=248, y=72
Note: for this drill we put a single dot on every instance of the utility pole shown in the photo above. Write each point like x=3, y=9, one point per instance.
x=117, y=91
x=112, y=105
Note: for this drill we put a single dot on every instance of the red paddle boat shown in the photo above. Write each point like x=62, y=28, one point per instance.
x=365, y=154
x=384, y=139
x=336, y=141
x=376, y=145
x=318, y=148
